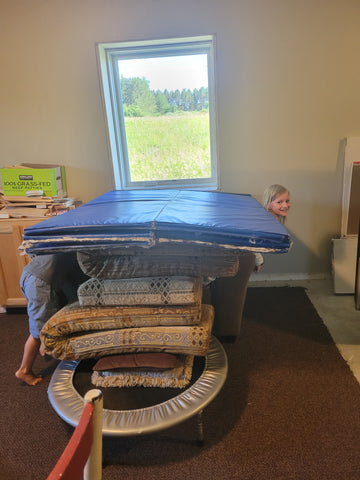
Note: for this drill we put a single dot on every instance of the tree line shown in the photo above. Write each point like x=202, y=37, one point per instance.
x=139, y=101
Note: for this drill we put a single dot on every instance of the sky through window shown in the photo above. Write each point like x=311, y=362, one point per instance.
x=171, y=73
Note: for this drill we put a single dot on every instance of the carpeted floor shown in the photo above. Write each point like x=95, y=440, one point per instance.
x=290, y=409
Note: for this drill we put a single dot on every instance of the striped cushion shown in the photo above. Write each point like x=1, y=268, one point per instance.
x=163, y=260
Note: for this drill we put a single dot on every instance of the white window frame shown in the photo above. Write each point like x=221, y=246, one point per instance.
x=108, y=54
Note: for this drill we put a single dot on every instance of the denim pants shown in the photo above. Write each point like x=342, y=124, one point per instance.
x=43, y=301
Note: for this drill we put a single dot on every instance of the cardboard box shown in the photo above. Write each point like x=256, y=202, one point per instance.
x=344, y=252
x=27, y=177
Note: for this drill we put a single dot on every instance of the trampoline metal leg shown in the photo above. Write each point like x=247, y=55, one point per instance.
x=200, y=429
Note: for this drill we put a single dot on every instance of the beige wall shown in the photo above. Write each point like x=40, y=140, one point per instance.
x=288, y=78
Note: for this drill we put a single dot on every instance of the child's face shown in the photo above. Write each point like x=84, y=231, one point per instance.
x=281, y=205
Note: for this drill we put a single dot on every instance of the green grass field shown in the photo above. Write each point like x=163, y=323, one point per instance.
x=169, y=147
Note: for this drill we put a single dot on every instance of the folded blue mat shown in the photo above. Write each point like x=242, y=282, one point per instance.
x=148, y=217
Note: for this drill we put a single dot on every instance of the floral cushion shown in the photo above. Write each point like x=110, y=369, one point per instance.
x=141, y=291
x=179, y=339
x=74, y=319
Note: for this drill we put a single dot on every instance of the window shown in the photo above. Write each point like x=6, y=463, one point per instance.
x=160, y=108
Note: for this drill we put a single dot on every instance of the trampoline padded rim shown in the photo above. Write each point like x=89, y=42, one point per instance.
x=69, y=404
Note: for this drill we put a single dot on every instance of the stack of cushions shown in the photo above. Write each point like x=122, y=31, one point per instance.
x=142, y=330
x=144, y=369
x=147, y=253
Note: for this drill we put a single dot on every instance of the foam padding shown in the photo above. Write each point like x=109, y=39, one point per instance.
x=149, y=217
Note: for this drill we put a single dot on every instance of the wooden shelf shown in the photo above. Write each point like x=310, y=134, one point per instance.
x=11, y=260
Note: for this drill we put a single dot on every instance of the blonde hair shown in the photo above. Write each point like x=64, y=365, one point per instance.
x=270, y=194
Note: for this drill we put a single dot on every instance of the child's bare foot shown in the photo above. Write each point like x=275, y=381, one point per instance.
x=28, y=378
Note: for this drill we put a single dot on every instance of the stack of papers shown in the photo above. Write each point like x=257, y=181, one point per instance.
x=35, y=206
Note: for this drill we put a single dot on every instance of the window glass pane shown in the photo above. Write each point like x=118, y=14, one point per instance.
x=160, y=107
x=166, y=112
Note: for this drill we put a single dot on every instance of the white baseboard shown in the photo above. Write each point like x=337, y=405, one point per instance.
x=286, y=278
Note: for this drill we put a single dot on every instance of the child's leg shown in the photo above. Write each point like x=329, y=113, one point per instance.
x=41, y=306
x=25, y=372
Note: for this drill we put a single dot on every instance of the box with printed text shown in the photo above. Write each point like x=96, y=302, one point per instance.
x=22, y=179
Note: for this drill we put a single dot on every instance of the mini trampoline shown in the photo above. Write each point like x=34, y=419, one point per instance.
x=137, y=410
x=147, y=220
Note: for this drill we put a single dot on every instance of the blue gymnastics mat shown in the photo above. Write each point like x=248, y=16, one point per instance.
x=150, y=217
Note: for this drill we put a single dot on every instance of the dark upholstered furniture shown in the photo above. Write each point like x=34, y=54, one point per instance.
x=227, y=295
